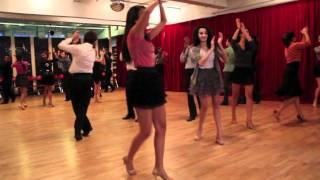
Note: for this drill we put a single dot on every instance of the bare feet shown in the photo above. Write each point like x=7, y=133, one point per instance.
x=21, y=107
x=51, y=105
x=219, y=141
x=250, y=125
x=129, y=166
x=314, y=104
x=161, y=173
x=198, y=136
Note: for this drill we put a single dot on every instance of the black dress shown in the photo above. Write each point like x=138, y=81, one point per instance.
x=98, y=69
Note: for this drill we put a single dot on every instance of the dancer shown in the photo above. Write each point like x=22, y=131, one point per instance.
x=243, y=75
x=7, y=74
x=64, y=63
x=188, y=70
x=207, y=78
x=130, y=77
x=98, y=69
x=147, y=93
x=81, y=69
x=47, y=69
x=317, y=74
x=290, y=87
x=22, y=82
x=227, y=71
x=108, y=68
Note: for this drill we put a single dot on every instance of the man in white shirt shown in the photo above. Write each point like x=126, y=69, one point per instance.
x=81, y=79
x=189, y=67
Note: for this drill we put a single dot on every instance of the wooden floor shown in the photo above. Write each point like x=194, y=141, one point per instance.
x=38, y=143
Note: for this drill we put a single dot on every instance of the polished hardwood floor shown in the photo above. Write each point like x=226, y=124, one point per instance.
x=38, y=143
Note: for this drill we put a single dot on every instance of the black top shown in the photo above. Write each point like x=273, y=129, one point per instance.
x=244, y=57
x=47, y=67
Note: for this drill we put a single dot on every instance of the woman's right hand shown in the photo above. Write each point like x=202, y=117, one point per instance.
x=304, y=30
x=76, y=36
x=238, y=23
x=212, y=42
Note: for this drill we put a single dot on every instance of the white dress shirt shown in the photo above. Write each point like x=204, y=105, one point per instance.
x=83, y=56
x=185, y=57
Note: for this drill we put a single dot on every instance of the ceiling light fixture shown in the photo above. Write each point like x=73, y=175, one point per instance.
x=117, y=5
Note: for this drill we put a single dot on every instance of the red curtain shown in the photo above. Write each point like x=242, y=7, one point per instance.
x=268, y=24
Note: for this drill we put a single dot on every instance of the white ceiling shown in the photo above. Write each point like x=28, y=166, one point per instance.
x=99, y=11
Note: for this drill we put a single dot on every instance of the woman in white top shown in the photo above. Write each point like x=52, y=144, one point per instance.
x=81, y=79
x=206, y=80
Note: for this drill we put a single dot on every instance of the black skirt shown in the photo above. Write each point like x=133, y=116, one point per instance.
x=146, y=88
x=47, y=79
x=242, y=76
x=316, y=70
x=290, y=86
x=98, y=69
x=22, y=80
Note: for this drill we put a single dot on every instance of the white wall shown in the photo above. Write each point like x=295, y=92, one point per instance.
x=99, y=12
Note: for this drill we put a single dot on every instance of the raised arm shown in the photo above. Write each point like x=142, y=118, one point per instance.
x=186, y=48
x=306, y=37
x=68, y=47
x=183, y=55
x=236, y=33
x=245, y=32
x=163, y=21
x=143, y=20
x=220, y=49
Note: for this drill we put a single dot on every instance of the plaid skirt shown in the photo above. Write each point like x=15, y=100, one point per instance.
x=208, y=83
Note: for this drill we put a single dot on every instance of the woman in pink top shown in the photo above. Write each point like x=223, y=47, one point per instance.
x=290, y=87
x=146, y=88
x=22, y=82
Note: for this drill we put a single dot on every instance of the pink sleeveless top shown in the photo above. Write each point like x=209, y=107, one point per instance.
x=141, y=51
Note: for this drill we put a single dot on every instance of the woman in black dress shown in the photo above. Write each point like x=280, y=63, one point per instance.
x=290, y=88
x=47, y=73
x=98, y=69
x=244, y=48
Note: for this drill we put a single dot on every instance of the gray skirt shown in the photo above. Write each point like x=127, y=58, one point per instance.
x=208, y=83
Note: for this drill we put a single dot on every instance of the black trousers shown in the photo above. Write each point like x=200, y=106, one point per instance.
x=227, y=85
x=8, y=91
x=191, y=103
x=80, y=91
x=128, y=86
x=66, y=84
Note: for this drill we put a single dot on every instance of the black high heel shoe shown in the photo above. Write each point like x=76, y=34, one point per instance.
x=301, y=119
x=127, y=117
x=78, y=137
x=86, y=133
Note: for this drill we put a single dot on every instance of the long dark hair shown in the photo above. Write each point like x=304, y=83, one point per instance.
x=195, y=36
x=132, y=17
x=287, y=38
